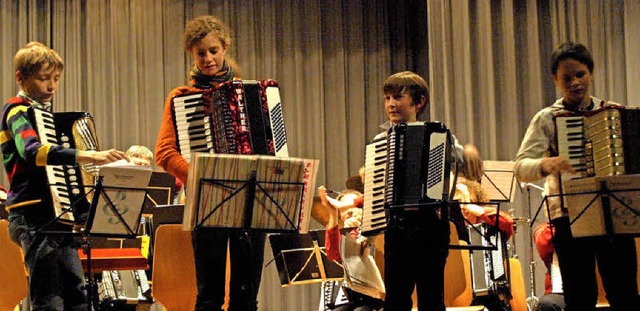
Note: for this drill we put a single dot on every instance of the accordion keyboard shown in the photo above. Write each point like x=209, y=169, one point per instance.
x=570, y=135
x=373, y=214
x=65, y=181
x=192, y=124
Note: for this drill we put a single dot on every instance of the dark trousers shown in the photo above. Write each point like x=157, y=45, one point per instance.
x=617, y=263
x=415, y=254
x=551, y=302
x=246, y=254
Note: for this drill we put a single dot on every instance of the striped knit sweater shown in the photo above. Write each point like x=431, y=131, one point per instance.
x=24, y=157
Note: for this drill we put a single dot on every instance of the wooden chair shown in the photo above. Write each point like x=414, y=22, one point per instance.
x=518, y=291
x=13, y=278
x=174, y=275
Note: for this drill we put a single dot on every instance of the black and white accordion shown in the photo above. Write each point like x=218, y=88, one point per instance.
x=408, y=170
x=489, y=268
x=67, y=183
x=118, y=289
x=235, y=117
x=333, y=295
x=603, y=142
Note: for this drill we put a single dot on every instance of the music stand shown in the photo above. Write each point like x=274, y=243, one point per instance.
x=301, y=258
x=115, y=211
x=603, y=206
x=499, y=182
x=160, y=191
x=259, y=193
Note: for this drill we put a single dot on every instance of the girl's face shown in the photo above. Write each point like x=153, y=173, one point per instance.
x=352, y=214
x=573, y=78
x=209, y=54
x=42, y=85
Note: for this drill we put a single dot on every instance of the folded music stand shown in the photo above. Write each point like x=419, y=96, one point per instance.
x=258, y=193
x=301, y=258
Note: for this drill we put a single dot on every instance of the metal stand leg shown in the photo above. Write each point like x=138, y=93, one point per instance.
x=532, y=300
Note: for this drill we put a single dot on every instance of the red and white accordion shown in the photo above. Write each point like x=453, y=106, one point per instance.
x=236, y=117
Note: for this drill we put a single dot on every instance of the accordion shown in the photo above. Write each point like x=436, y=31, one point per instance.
x=602, y=147
x=235, y=117
x=489, y=268
x=407, y=170
x=602, y=142
x=118, y=289
x=67, y=183
x=333, y=295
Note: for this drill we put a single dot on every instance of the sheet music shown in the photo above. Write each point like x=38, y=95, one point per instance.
x=586, y=208
x=310, y=174
x=125, y=186
x=361, y=272
x=499, y=182
x=216, y=197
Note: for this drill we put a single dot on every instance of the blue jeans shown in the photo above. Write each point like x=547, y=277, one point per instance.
x=56, y=278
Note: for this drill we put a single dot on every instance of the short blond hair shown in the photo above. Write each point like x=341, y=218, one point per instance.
x=140, y=151
x=33, y=57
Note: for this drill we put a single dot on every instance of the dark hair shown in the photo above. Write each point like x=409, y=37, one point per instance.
x=407, y=81
x=571, y=50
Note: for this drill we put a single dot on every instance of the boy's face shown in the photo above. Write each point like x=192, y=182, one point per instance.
x=42, y=85
x=400, y=108
x=573, y=78
x=209, y=54
x=137, y=160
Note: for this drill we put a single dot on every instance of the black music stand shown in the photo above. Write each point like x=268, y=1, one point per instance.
x=499, y=183
x=301, y=258
x=251, y=188
x=160, y=191
x=259, y=193
x=486, y=242
x=115, y=211
x=602, y=206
